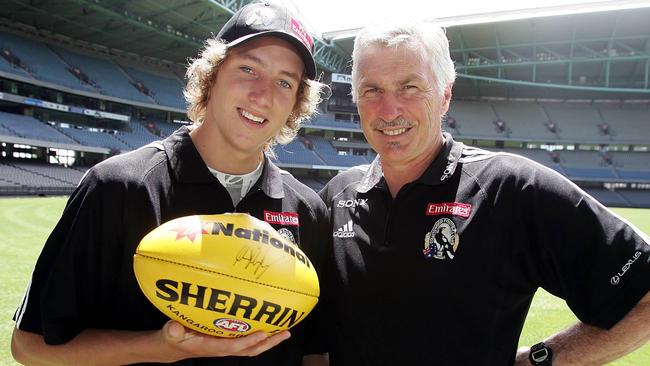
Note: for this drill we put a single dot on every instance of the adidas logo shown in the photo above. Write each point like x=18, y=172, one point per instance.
x=345, y=231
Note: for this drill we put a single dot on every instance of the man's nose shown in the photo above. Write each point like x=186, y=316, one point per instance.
x=261, y=94
x=390, y=107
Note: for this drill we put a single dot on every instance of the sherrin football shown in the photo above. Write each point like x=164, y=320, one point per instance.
x=226, y=275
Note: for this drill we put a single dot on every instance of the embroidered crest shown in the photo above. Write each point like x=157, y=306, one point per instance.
x=262, y=16
x=286, y=233
x=442, y=241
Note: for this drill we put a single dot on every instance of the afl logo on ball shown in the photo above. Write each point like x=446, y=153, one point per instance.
x=232, y=325
x=442, y=241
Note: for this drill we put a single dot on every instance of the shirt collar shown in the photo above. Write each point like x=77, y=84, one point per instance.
x=185, y=162
x=187, y=166
x=271, y=180
x=439, y=171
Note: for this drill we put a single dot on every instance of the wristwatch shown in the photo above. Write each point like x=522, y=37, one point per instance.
x=541, y=354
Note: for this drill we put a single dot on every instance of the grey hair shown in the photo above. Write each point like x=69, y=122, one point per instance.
x=426, y=38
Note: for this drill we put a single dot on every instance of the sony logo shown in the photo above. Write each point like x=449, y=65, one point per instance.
x=351, y=203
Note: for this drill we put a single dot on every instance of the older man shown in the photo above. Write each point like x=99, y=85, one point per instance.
x=403, y=295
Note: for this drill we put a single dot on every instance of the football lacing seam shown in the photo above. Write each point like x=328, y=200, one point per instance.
x=226, y=275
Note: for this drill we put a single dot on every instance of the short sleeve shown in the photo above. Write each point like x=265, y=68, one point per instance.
x=583, y=252
x=73, y=273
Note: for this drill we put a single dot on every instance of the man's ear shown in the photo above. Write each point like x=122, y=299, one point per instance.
x=446, y=99
x=295, y=111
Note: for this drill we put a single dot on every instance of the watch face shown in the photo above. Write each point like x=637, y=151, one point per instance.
x=539, y=355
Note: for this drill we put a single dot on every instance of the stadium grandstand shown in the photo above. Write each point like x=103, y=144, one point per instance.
x=82, y=80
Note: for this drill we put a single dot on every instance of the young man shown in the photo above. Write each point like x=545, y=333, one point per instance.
x=446, y=244
x=250, y=88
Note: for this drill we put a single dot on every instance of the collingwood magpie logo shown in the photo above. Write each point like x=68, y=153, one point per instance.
x=286, y=233
x=260, y=17
x=442, y=241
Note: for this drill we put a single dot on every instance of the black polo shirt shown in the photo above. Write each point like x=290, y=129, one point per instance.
x=84, y=276
x=444, y=273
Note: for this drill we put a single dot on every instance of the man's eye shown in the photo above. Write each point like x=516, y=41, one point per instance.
x=246, y=69
x=285, y=84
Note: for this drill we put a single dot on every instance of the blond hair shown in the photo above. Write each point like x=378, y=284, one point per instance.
x=202, y=72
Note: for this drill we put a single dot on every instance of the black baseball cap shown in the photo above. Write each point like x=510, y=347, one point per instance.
x=270, y=19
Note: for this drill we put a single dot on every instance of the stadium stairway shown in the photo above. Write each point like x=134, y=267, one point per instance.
x=128, y=77
x=117, y=137
x=28, y=178
x=35, y=172
x=82, y=85
x=62, y=131
x=629, y=203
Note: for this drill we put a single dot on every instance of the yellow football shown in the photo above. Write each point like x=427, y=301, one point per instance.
x=226, y=275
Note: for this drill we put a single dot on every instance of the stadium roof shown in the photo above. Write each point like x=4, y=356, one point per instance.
x=585, y=51
x=170, y=30
x=603, y=54
x=598, y=55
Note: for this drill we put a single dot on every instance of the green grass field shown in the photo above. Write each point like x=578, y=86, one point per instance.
x=26, y=222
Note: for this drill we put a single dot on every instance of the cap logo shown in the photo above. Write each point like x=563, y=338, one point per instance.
x=302, y=34
x=260, y=17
